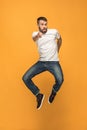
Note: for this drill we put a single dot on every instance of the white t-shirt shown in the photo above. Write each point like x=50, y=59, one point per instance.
x=47, y=46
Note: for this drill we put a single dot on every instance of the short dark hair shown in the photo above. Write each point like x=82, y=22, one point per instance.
x=41, y=18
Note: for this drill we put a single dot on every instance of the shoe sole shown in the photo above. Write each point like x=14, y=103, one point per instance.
x=41, y=102
x=49, y=101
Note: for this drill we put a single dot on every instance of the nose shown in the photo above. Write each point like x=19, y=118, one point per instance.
x=44, y=26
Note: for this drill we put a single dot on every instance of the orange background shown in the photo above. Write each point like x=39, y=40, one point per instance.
x=18, y=52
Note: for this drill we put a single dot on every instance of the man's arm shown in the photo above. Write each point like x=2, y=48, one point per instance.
x=59, y=43
x=36, y=37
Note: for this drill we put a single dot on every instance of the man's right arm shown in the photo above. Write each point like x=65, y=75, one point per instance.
x=37, y=36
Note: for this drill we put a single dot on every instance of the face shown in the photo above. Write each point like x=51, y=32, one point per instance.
x=42, y=25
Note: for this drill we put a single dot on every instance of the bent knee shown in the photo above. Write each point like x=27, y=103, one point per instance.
x=24, y=78
x=60, y=80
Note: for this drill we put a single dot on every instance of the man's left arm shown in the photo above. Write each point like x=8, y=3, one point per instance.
x=59, y=43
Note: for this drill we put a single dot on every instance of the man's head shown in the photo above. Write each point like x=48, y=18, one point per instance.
x=42, y=24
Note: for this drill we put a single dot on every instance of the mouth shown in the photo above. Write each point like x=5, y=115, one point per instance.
x=44, y=29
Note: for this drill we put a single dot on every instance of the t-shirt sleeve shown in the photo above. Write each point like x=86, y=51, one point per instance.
x=58, y=34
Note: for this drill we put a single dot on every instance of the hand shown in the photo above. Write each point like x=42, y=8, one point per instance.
x=39, y=34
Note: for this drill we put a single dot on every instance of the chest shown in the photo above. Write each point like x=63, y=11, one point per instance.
x=46, y=38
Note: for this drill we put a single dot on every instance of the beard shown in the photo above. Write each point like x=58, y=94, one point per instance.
x=43, y=30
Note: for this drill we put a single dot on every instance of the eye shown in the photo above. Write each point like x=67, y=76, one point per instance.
x=42, y=24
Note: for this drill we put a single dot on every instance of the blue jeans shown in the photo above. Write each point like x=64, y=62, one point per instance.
x=52, y=66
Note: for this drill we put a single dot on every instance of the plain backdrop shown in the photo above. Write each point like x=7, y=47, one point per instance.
x=18, y=52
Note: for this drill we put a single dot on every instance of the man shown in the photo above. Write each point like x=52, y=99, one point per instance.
x=48, y=42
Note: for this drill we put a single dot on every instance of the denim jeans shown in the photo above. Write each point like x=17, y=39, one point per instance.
x=52, y=66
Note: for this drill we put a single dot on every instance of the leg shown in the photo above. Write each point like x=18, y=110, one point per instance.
x=56, y=70
x=34, y=70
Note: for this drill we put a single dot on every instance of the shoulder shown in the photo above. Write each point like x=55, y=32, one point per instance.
x=52, y=31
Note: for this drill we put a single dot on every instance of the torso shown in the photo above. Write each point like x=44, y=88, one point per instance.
x=47, y=46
